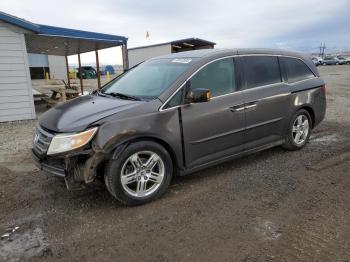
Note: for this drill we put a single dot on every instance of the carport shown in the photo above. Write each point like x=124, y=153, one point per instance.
x=18, y=37
x=65, y=42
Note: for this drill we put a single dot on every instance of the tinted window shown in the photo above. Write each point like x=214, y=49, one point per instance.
x=149, y=79
x=296, y=69
x=218, y=77
x=261, y=70
x=175, y=100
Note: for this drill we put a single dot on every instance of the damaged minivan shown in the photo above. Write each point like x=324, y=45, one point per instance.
x=177, y=114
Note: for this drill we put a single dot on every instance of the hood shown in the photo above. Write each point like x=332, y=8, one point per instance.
x=76, y=115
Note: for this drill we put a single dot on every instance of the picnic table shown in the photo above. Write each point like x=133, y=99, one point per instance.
x=61, y=94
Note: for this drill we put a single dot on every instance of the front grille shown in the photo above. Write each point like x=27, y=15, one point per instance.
x=41, y=141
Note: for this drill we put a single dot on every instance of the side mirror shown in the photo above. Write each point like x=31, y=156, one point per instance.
x=198, y=95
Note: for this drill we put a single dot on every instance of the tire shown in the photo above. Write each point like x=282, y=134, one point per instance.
x=324, y=63
x=295, y=130
x=131, y=181
x=348, y=63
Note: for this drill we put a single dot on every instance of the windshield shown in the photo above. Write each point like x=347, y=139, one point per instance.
x=149, y=79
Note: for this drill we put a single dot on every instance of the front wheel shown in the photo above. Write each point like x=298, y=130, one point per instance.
x=299, y=130
x=140, y=174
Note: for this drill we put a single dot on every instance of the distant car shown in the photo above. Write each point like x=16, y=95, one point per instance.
x=330, y=60
x=316, y=61
x=342, y=60
x=319, y=59
x=347, y=60
x=87, y=72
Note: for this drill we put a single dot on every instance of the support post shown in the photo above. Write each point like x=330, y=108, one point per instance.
x=98, y=70
x=80, y=75
x=67, y=67
x=125, y=57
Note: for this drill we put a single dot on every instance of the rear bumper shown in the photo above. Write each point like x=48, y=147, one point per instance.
x=49, y=168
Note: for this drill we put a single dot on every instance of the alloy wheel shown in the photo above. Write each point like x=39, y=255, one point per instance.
x=142, y=173
x=301, y=128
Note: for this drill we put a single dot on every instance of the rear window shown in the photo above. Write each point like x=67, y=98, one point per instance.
x=296, y=69
x=261, y=70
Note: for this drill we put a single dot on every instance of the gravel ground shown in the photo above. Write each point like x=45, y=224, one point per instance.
x=270, y=206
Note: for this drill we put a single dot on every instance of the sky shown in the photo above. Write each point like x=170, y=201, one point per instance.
x=300, y=25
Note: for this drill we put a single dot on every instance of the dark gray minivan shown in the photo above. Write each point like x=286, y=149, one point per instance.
x=179, y=113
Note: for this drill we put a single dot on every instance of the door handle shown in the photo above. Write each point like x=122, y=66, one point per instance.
x=237, y=108
x=241, y=107
x=250, y=106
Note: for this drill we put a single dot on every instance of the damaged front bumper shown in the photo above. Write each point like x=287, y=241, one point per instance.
x=51, y=167
x=77, y=168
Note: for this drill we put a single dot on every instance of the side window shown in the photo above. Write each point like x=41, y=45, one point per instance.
x=218, y=77
x=176, y=100
x=261, y=70
x=296, y=69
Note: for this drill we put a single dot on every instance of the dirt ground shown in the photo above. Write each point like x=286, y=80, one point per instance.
x=271, y=206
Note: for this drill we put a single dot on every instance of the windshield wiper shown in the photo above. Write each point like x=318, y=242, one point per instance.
x=98, y=92
x=122, y=96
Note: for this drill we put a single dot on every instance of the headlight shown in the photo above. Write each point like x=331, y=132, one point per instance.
x=67, y=142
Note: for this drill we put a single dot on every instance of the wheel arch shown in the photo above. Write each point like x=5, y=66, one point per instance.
x=118, y=149
x=311, y=112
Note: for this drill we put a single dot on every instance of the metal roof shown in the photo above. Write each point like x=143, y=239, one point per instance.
x=188, y=42
x=68, y=41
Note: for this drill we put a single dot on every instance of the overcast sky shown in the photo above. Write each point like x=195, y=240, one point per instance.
x=295, y=24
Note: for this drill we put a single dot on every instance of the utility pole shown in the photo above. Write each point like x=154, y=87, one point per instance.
x=322, y=47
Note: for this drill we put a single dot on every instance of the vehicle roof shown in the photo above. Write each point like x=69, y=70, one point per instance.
x=207, y=53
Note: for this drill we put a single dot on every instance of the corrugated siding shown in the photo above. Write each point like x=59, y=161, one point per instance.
x=16, y=98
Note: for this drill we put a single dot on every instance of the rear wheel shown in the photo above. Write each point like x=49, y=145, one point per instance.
x=141, y=173
x=299, y=131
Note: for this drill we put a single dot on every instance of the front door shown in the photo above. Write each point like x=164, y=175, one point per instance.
x=215, y=129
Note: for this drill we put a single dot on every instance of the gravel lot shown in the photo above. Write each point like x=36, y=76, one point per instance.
x=271, y=206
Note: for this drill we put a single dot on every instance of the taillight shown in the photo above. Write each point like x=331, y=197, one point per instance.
x=324, y=89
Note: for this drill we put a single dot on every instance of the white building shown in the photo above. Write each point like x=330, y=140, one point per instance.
x=142, y=53
x=16, y=98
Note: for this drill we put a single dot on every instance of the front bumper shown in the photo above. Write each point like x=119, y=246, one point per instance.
x=76, y=167
x=54, y=168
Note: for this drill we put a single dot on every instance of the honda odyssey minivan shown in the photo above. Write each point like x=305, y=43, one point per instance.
x=180, y=113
